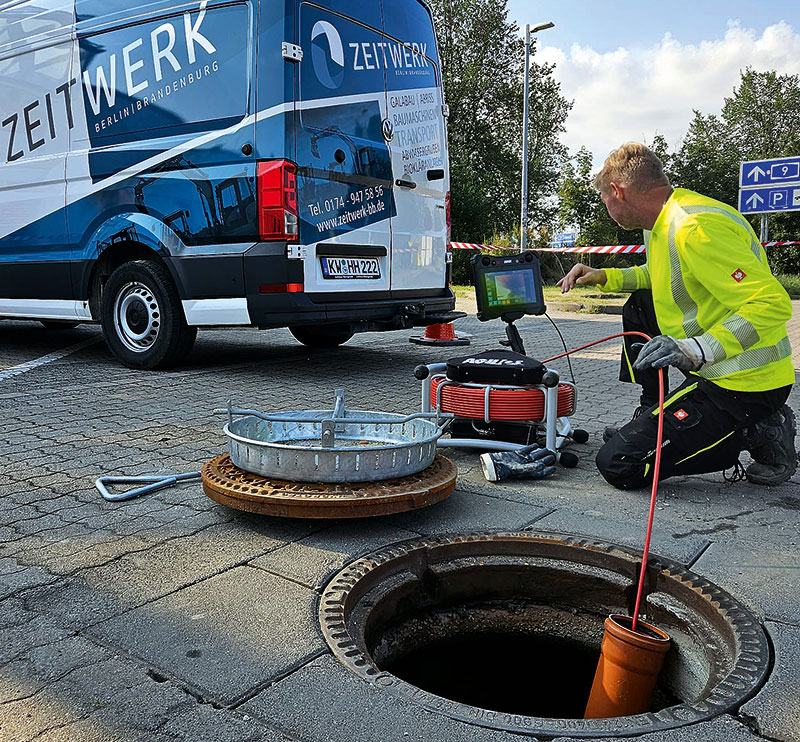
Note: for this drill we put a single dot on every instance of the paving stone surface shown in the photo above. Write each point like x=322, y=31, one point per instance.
x=339, y=707
x=663, y=543
x=763, y=575
x=142, y=576
x=775, y=710
x=313, y=559
x=170, y=617
x=465, y=511
x=224, y=636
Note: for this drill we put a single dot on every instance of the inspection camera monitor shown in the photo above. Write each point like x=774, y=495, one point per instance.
x=507, y=285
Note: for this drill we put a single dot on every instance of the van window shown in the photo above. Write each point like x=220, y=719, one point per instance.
x=416, y=61
x=346, y=61
x=180, y=74
x=367, y=13
x=39, y=54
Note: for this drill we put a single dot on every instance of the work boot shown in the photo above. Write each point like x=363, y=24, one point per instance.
x=530, y=462
x=771, y=444
x=611, y=431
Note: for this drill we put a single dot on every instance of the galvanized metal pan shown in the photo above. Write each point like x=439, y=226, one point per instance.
x=332, y=446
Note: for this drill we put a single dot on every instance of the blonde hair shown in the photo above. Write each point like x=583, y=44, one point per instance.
x=632, y=165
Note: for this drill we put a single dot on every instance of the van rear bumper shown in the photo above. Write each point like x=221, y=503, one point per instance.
x=394, y=313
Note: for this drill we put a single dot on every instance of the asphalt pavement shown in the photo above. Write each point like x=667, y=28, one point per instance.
x=171, y=617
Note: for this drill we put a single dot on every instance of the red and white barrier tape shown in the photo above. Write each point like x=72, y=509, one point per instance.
x=473, y=246
x=603, y=249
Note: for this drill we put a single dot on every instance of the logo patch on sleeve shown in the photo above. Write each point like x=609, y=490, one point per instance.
x=738, y=275
x=680, y=414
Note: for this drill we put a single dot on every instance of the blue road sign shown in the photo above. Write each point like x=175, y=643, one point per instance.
x=766, y=200
x=780, y=171
x=564, y=239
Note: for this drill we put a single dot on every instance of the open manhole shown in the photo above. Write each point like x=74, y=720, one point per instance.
x=504, y=629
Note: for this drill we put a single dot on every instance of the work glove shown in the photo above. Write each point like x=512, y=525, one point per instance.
x=663, y=351
x=530, y=462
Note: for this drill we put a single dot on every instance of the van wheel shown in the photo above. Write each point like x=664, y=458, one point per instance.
x=142, y=317
x=322, y=336
x=57, y=324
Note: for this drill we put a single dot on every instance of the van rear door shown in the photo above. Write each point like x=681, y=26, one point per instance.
x=344, y=166
x=418, y=145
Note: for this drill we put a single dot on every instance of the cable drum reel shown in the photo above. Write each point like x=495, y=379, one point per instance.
x=502, y=400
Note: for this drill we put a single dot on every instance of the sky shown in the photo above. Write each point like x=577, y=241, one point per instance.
x=636, y=69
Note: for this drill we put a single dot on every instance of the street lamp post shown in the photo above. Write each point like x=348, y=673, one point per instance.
x=529, y=31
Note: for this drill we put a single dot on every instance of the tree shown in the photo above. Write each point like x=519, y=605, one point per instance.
x=661, y=149
x=763, y=115
x=707, y=160
x=482, y=61
x=580, y=205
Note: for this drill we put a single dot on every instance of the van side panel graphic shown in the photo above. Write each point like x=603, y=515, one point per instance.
x=176, y=75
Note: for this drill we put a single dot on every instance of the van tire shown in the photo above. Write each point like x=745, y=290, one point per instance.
x=57, y=324
x=322, y=336
x=142, y=317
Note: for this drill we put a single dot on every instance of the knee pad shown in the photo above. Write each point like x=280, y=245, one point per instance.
x=619, y=468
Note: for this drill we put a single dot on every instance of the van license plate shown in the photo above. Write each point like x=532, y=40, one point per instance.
x=351, y=268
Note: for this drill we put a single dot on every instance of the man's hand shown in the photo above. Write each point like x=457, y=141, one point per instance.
x=663, y=351
x=582, y=275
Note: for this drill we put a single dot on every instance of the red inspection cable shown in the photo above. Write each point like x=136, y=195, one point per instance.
x=656, y=463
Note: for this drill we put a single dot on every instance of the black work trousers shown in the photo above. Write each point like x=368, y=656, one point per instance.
x=703, y=423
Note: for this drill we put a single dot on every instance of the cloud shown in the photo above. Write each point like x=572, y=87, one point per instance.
x=636, y=93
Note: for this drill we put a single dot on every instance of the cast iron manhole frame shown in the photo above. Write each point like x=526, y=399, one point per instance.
x=344, y=591
x=235, y=488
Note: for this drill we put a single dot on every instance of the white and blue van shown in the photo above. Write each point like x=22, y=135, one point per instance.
x=166, y=166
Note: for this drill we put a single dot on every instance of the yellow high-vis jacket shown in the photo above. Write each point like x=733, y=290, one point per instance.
x=710, y=279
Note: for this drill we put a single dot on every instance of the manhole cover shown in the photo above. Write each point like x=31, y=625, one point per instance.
x=503, y=630
x=231, y=486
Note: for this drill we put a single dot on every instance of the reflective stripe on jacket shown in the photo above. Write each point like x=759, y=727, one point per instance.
x=710, y=278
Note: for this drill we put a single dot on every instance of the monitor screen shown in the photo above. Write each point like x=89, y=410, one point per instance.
x=506, y=290
x=507, y=285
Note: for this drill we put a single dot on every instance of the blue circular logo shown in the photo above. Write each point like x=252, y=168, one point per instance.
x=327, y=54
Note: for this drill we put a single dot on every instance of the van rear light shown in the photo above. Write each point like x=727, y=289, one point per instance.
x=448, y=218
x=280, y=288
x=276, y=183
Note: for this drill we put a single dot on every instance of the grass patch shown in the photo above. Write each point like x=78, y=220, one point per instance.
x=589, y=298
x=791, y=282
x=464, y=292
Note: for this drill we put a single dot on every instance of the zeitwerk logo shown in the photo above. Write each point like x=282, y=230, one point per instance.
x=738, y=275
x=328, y=63
x=328, y=55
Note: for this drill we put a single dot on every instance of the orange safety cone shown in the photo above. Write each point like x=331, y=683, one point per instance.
x=627, y=670
x=440, y=335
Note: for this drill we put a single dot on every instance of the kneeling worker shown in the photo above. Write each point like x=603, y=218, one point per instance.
x=714, y=310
